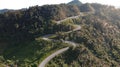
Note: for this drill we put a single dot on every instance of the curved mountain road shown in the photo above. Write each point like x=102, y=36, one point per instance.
x=52, y=56
x=46, y=37
x=81, y=14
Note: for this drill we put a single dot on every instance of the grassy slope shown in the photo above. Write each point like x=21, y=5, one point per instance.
x=31, y=53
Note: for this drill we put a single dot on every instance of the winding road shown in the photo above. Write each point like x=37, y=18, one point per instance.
x=58, y=22
x=52, y=56
x=46, y=37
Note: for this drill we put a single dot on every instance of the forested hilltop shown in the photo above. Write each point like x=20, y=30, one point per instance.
x=98, y=39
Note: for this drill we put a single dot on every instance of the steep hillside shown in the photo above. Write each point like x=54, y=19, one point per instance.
x=34, y=22
x=19, y=30
x=98, y=39
x=99, y=44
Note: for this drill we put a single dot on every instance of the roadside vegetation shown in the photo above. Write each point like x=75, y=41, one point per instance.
x=32, y=53
x=98, y=39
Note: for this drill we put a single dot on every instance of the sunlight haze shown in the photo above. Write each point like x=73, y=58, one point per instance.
x=18, y=4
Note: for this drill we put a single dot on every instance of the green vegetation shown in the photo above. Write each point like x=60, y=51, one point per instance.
x=32, y=53
x=36, y=21
x=100, y=43
x=98, y=40
x=19, y=29
x=80, y=57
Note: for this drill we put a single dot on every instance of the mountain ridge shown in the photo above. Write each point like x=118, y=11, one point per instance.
x=98, y=40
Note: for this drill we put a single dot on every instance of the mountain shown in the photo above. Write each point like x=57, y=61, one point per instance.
x=4, y=10
x=75, y=2
x=29, y=36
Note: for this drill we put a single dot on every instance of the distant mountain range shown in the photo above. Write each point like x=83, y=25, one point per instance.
x=4, y=10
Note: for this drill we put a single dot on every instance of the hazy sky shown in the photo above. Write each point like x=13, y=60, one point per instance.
x=18, y=4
